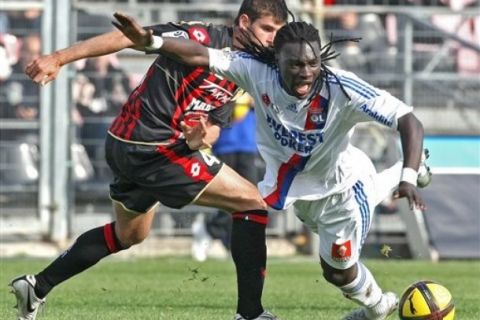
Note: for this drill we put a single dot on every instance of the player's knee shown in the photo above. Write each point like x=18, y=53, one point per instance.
x=132, y=237
x=337, y=277
x=251, y=201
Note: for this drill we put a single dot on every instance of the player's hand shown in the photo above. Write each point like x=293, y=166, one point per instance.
x=43, y=69
x=132, y=30
x=410, y=192
x=196, y=134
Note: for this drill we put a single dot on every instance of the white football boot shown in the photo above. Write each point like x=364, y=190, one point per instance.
x=201, y=240
x=387, y=305
x=264, y=316
x=424, y=174
x=27, y=302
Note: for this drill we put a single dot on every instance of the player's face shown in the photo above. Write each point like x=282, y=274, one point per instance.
x=300, y=66
x=264, y=28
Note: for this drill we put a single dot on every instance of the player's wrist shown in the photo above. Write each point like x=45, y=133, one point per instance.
x=409, y=175
x=59, y=58
x=155, y=44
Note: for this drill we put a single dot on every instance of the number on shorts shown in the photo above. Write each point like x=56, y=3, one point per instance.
x=209, y=159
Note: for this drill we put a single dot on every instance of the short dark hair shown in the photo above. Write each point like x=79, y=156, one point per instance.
x=291, y=32
x=256, y=9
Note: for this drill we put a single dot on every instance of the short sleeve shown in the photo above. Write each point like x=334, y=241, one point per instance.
x=369, y=103
x=233, y=65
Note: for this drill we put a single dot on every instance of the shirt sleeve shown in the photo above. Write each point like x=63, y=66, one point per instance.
x=369, y=103
x=234, y=65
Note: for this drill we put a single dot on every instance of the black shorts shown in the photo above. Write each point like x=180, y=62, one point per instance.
x=144, y=175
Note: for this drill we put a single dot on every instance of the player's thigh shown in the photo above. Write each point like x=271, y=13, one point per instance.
x=231, y=192
x=344, y=225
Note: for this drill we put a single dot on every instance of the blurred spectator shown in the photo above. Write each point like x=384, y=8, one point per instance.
x=373, y=54
x=99, y=91
x=101, y=87
x=21, y=23
x=237, y=148
x=90, y=24
x=19, y=101
x=22, y=95
x=5, y=59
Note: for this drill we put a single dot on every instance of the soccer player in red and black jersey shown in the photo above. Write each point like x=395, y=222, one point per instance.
x=153, y=149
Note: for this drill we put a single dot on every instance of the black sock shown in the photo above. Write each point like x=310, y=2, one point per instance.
x=89, y=248
x=249, y=253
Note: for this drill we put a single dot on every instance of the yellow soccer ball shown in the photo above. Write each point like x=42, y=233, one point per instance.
x=426, y=300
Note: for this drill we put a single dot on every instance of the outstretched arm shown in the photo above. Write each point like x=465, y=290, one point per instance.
x=411, y=135
x=185, y=51
x=45, y=68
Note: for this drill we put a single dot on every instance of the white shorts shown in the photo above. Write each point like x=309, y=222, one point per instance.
x=343, y=220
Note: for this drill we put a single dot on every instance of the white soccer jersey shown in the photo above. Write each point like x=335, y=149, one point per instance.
x=306, y=143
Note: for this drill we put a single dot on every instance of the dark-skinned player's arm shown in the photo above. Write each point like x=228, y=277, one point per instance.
x=185, y=51
x=411, y=136
x=45, y=68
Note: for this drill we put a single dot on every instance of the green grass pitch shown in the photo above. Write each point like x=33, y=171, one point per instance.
x=178, y=288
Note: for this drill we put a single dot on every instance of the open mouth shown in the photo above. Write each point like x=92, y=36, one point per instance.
x=302, y=89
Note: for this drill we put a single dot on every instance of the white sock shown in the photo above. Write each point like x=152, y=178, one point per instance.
x=364, y=290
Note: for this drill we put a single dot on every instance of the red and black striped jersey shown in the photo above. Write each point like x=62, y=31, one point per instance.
x=171, y=92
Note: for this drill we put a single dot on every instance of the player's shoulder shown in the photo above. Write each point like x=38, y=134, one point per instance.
x=352, y=83
x=339, y=74
x=256, y=65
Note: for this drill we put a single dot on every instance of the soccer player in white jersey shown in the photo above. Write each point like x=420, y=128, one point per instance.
x=306, y=113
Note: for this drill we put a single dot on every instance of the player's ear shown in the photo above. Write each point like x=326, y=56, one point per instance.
x=244, y=21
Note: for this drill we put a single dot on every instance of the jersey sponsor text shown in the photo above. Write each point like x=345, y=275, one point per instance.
x=301, y=142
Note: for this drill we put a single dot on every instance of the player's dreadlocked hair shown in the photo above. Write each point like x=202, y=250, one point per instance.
x=255, y=9
x=295, y=32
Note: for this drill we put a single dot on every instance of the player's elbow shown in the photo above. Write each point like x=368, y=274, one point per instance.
x=410, y=123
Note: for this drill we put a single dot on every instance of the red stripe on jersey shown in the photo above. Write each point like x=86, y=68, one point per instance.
x=108, y=234
x=232, y=87
x=181, y=106
x=117, y=122
x=125, y=123
x=195, y=93
x=193, y=168
x=250, y=217
x=134, y=116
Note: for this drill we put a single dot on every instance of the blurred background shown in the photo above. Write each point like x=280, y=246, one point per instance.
x=54, y=179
